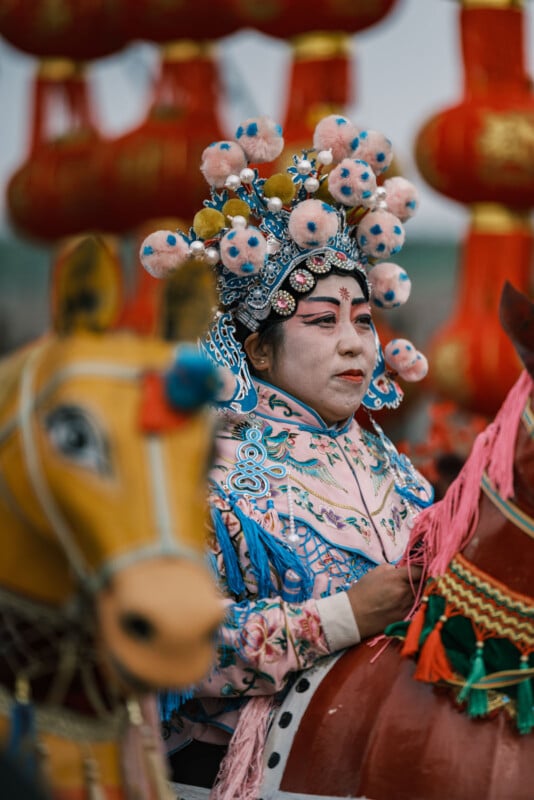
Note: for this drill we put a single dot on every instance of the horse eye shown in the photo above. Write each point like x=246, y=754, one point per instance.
x=74, y=435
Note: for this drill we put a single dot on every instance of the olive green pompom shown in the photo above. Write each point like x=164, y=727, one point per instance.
x=208, y=222
x=236, y=208
x=280, y=185
x=323, y=194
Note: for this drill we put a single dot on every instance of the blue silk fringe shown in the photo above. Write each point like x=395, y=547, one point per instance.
x=266, y=551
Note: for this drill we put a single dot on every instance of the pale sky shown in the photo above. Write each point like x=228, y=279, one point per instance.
x=407, y=67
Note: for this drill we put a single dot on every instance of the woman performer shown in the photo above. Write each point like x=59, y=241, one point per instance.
x=311, y=511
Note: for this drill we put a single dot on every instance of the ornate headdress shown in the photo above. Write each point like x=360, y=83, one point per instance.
x=270, y=239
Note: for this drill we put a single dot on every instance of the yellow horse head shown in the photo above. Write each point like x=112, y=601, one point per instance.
x=102, y=493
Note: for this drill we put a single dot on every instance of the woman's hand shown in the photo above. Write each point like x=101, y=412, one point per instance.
x=384, y=595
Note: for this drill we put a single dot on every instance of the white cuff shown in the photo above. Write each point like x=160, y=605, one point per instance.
x=338, y=621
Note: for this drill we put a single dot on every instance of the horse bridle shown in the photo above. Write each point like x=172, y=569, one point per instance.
x=28, y=402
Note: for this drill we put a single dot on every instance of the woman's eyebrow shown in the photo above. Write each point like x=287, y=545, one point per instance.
x=356, y=301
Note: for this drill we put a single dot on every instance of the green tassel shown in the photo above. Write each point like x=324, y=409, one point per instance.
x=477, y=699
x=525, y=714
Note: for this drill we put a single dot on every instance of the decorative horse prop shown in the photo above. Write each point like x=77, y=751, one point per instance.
x=456, y=722
x=105, y=441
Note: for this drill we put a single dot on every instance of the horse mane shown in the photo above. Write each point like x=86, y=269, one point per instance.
x=444, y=529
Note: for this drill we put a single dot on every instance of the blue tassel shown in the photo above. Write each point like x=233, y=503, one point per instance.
x=234, y=578
x=525, y=710
x=477, y=699
x=22, y=741
x=171, y=701
x=257, y=554
x=265, y=550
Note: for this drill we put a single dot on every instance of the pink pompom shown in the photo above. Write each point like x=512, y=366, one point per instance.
x=221, y=159
x=391, y=285
x=338, y=134
x=313, y=223
x=376, y=149
x=401, y=197
x=226, y=385
x=261, y=139
x=243, y=251
x=352, y=183
x=380, y=234
x=417, y=371
x=400, y=355
x=162, y=252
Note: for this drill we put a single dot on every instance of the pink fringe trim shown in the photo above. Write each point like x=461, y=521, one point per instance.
x=241, y=772
x=445, y=529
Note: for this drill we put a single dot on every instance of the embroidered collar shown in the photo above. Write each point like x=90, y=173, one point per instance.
x=275, y=404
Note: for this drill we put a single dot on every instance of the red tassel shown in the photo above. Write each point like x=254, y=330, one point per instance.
x=433, y=664
x=413, y=633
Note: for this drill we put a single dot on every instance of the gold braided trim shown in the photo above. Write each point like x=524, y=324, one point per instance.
x=513, y=513
x=488, y=603
x=497, y=680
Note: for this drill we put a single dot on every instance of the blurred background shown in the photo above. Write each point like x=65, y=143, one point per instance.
x=108, y=104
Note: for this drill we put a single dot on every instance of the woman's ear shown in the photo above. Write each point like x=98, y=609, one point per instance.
x=259, y=353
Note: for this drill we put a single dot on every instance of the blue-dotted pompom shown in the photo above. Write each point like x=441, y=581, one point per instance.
x=221, y=159
x=192, y=380
x=376, y=149
x=390, y=284
x=403, y=357
x=261, y=139
x=163, y=252
x=401, y=197
x=243, y=251
x=337, y=134
x=352, y=183
x=313, y=223
x=380, y=234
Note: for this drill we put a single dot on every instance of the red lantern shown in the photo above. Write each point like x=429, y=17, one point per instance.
x=483, y=148
x=77, y=29
x=162, y=21
x=286, y=18
x=51, y=195
x=480, y=152
x=153, y=171
x=319, y=83
x=472, y=360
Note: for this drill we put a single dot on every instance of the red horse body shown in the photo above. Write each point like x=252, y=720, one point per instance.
x=362, y=725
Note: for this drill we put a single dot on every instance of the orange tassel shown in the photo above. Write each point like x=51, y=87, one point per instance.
x=413, y=633
x=433, y=664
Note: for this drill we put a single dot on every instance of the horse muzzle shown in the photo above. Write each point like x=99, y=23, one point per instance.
x=158, y=620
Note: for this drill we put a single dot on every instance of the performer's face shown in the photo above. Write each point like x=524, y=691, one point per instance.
x=327, y=353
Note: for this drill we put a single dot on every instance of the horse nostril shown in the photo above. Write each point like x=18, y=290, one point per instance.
x=137, y=626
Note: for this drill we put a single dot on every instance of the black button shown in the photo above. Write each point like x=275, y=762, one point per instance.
x=285, y=719
x=274, y=759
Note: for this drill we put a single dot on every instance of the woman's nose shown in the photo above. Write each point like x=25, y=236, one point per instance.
x=349, y=340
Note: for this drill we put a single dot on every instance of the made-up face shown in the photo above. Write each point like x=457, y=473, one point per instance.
x=327, y=354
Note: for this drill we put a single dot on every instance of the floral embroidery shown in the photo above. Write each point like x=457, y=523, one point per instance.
x=331, y=519
x=356, y=452
x=262, y=641
x=327, y=447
